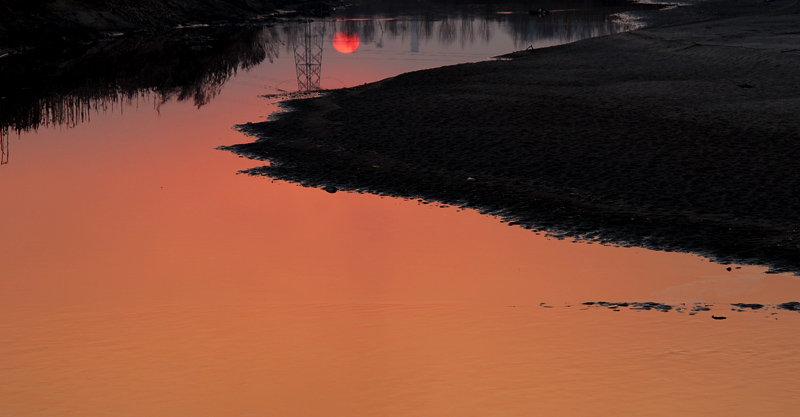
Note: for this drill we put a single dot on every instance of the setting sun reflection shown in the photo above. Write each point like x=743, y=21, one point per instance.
x=346, y=42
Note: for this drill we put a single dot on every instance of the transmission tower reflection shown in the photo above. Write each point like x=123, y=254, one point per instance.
x=308, y=57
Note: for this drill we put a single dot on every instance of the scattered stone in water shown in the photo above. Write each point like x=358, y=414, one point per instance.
x=634, y=306
x=750, y=306
x=652, y=306
x=791, y=306
x=683, y=308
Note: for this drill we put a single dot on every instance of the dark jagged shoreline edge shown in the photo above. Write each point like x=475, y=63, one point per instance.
x=301, y=148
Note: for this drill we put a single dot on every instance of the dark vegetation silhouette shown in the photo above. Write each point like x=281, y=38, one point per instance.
x=43, y=87
x=59, y=23
x=193, y=65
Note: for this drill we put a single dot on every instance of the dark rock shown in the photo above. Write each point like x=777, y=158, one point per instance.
x=652, y=306
x=791, y=306
x=750, y=306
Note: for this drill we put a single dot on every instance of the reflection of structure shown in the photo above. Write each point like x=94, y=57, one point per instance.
x=415, y=35
x=3, y=146
x=308, y=57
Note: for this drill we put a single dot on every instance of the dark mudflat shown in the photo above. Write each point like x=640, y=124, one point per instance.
x=682, y=137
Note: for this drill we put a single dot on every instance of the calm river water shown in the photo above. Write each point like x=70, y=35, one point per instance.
x=141, y=275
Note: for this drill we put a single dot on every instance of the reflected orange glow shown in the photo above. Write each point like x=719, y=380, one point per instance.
x=248, y=357
x=162, y=289
x=140, y=275
x=345, y=42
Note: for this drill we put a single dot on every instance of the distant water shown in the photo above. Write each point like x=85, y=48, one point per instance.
x=140, y=275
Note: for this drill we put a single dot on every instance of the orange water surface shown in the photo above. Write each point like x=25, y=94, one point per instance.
x=141, y=275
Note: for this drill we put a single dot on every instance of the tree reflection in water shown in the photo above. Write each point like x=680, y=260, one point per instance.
x=469, y=21
x=37, y=89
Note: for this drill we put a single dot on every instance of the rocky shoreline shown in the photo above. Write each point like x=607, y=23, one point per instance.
x=678, y=137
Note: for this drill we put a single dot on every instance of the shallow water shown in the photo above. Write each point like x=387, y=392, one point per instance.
x=142, y=276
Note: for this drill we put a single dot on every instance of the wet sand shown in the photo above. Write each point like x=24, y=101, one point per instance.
x=681, y=137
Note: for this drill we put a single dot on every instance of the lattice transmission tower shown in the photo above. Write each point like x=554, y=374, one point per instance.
x=308, y=56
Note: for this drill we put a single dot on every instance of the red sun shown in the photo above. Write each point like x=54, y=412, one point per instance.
x=345, y=42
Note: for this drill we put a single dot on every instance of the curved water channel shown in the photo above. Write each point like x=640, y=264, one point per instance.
x=141, y=275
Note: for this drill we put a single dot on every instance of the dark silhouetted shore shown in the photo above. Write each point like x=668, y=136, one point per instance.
x=683, y=136
x=58, y=24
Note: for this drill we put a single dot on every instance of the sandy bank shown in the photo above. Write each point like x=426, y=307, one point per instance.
x=679, y=137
